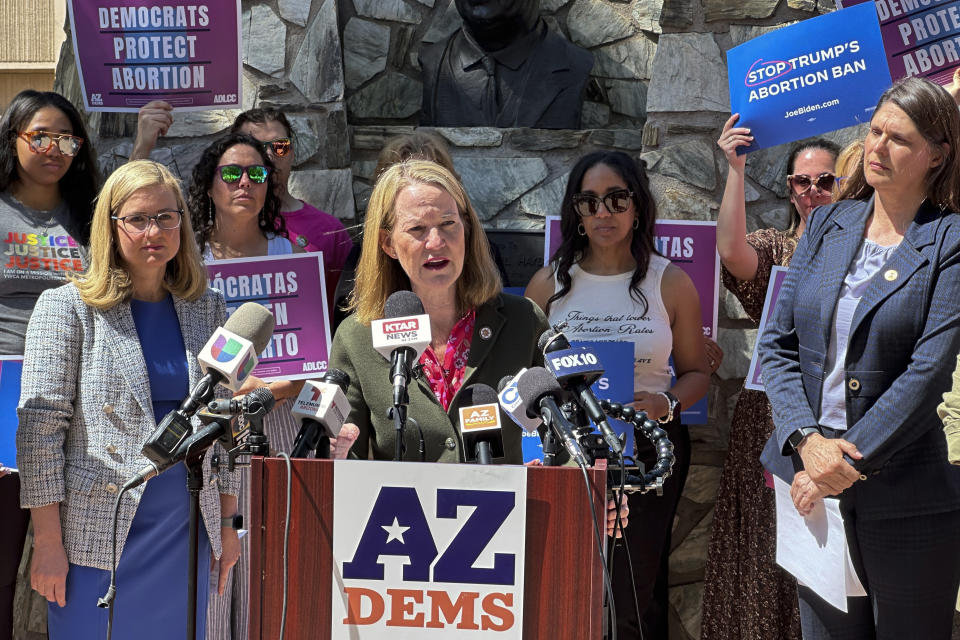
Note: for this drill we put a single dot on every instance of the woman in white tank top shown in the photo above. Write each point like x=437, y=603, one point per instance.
x=608, y=283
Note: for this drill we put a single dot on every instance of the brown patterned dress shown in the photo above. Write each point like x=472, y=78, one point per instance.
x=746, y=595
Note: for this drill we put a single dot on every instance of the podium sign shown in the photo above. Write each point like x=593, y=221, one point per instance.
x=440, y=552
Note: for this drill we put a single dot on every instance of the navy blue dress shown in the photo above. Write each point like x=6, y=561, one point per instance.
x=151, y=602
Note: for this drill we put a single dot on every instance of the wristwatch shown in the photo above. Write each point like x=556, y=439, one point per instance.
x=673, y=407
x=232, y=522
x=795, y=438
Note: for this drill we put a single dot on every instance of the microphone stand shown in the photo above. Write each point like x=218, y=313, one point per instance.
x=194, y=484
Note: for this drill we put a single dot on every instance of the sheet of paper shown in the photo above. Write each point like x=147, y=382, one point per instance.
x=814, y=548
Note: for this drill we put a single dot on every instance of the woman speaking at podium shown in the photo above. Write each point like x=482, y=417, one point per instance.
x=106, y=357
x=421, y=233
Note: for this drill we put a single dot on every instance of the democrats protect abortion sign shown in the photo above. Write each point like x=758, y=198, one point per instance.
x=921, y=37
x=815, y=76
x=130, y=52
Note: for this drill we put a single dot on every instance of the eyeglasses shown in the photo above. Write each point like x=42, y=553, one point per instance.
x=140, y=222
x=41, y=141
x=231, y=173
x=801, y=182
x=587, y=204
x=280, y=146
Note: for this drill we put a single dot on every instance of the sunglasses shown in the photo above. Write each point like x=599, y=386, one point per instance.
x=280, y=146
x=231, y=173
x=140, y=222
x=587, y=204
x=42, y=141
x=801, y=182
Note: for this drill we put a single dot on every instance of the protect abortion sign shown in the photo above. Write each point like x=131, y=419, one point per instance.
x=921, y=37
x=130, y=52
x=818, y=75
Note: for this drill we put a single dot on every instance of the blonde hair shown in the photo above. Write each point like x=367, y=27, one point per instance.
x=378, y=275
x=846, y=164
x=419, y=145
x=107, y=282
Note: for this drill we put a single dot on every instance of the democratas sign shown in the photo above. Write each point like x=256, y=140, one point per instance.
x=439, y=554
x=130, y=52
x=818, y=75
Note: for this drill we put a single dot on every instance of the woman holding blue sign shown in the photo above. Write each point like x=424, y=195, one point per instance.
x=855, y=360
x=607, y=282
x=746, y=594
x=48, y=180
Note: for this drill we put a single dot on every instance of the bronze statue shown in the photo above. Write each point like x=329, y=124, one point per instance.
x=503, y=68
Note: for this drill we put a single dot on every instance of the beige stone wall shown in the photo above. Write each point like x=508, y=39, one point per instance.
x=31, y=34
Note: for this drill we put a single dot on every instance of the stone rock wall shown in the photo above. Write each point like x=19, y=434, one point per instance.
x=346, y=71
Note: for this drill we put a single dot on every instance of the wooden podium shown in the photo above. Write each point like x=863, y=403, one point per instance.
x=563, y=592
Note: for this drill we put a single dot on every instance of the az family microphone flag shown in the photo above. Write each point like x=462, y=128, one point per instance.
x=818, y=75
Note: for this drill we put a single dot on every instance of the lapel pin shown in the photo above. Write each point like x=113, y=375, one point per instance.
x=485, y=333
x=890, y=275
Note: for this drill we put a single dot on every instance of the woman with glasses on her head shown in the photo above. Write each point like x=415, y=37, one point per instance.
x=746, y=594
x=607, y=282
x=107, y=356
x=48, y=180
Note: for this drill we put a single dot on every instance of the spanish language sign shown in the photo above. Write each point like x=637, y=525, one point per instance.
x=11, y=368
x=818, y=75
x=777, y=276
x=425, y=550
x=130, y=52
x=690, y=245
x=921, y=37
x=293, y=288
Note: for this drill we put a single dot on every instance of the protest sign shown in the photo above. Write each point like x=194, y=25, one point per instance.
x=130, y=52
x=921, y=38
x=692, y=246
x=777, y=275
x=818, y=75
x=11, y=367
x=293, y=288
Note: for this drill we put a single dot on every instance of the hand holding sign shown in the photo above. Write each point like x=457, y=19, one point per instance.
x=731, y=140
x=153, y=121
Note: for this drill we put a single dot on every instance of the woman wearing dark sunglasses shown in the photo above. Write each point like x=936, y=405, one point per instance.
x=48, y=180
x=608, y=282
x=236, y=214
x=740, y=561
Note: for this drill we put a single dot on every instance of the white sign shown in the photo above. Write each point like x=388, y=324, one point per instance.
x=425, y=550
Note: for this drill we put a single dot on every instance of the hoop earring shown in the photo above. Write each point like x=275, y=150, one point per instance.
x=636, y=223
x=581, y=230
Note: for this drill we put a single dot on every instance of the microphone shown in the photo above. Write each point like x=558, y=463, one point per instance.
x=512, y=403
x=480, y=424
x=253, y=406
x=577, y=369
x=540, y=392
x=227, y=358
x=322, y=408
x=220, y=428
x=401, y=337
x=231, y=353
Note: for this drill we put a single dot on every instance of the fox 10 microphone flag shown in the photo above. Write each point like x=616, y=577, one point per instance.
x=815, y=76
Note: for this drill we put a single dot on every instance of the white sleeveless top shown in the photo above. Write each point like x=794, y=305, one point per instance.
x=600, y=308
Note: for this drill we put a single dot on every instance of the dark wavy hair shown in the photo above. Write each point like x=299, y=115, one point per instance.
x=261, y=116
x=202, y=209
x=80, y=184
x=798, y=148
x=573, y=247
x=934, y=114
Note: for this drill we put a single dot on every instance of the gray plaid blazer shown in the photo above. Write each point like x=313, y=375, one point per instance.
x=85, y=411
x=903, y=342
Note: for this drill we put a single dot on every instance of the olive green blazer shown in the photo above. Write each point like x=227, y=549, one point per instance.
x=504, y=341
x=949, y=411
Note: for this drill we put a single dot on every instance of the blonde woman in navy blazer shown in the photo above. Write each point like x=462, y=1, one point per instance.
x=899, y=496
x=105, y=358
